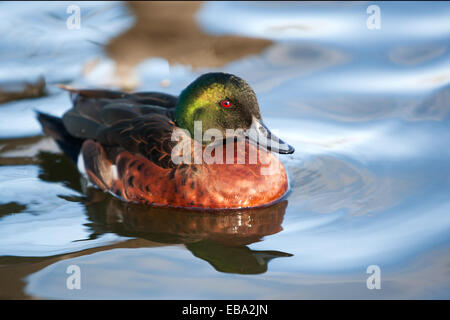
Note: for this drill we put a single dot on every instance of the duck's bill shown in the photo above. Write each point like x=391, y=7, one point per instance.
x=259, y=134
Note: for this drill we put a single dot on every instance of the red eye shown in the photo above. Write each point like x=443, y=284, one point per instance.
x=225, y=103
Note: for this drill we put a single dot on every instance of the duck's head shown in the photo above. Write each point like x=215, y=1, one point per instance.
x=224, y=101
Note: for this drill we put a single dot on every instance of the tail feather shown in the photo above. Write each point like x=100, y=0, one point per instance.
x=54, y=127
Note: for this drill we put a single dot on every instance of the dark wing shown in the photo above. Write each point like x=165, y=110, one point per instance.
x=140, y=122
x=149, y=135
x=94, y=109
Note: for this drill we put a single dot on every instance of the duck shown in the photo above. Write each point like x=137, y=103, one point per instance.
x=207, y=148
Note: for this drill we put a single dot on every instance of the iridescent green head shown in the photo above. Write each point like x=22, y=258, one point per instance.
x=224, y=101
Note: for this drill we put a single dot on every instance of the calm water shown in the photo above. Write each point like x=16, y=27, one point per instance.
x=368, y=114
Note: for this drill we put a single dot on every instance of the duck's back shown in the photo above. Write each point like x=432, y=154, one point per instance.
x=97, y=110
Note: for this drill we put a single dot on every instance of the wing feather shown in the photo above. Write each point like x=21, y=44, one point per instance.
x=140, y=122
x=148, y=135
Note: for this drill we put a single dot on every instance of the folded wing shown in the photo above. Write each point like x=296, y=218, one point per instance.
x=141, y=122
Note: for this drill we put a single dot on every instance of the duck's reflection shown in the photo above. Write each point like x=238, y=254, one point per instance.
x=221, y=238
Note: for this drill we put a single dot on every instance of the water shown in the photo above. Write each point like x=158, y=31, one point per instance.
x=366, y=110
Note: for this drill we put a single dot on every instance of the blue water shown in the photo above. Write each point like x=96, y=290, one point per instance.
x=367, y=111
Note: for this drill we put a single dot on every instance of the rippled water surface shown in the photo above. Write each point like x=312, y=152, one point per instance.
x=366, y=110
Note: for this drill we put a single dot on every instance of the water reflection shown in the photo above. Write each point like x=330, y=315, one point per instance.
x=219, y=238
x=169, y=30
